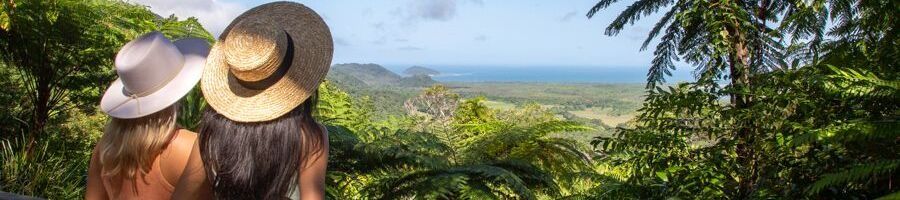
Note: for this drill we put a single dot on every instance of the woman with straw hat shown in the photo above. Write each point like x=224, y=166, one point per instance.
x=258, y=138
x=143, y=152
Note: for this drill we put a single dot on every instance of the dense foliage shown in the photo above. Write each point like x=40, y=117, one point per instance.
x=813, y=109
x=785, y=106
x=493, y=156
x=56, y=59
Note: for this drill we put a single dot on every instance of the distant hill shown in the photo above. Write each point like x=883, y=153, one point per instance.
x=386, y=89
x=417, y=81
x=356, y=75
x=370, y=74
x=419, y=70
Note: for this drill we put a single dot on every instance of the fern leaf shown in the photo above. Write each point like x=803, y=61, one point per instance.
x=854, y=174
x=892, y=196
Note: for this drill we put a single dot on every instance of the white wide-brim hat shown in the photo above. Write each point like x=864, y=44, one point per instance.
x=154, y=73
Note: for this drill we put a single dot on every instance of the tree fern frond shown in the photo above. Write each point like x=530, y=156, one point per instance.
x=851, y=131
x=530, y=175
x=446, y=183
x=503, y=176
x=892, y=196
x=477, y=190
x=853, y=174
x=660, y=24
x=663, y=57
x=861, y=84
x=556, y=126
x=859, y=75
x=633, y=13
x=570, y=146
x=600, y=6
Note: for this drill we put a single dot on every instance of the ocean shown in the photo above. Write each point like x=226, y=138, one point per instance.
x=549, y=74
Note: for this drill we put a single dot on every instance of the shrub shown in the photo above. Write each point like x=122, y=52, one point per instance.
x=42, y=172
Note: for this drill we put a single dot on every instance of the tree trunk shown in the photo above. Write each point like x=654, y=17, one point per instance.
x=41, y=113
x=41, y=110
x=741, y=70
x=740, y=80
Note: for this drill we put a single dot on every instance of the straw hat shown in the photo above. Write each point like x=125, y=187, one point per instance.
x=154, y=73
x=267, y=62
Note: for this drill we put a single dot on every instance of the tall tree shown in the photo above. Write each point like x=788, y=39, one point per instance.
x=435, y=107
x=725, y=41
x=685, y=135
x=859, y=97
x=62, y=51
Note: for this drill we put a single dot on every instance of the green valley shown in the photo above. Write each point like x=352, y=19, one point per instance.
x=602, y=106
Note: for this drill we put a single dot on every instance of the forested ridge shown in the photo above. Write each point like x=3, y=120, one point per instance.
x=791, y=100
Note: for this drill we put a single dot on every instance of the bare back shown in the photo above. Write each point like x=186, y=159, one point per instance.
x=157, y=183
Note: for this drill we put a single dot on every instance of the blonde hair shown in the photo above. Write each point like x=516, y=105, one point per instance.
x=129, y=146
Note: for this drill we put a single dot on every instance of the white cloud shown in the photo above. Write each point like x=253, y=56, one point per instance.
x=215, y=15
x=437, y=10
x=441, y=10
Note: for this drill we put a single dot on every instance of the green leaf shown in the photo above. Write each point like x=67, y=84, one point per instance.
x=663, y=175
x=892, y=196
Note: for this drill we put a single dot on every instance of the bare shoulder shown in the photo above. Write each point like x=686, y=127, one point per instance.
x=184, y=142
x=180, y=147
x=176, y=154
x=319, y=156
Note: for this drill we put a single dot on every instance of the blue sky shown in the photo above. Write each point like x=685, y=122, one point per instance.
x=455, y=32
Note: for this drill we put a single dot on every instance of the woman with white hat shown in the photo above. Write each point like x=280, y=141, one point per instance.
x=143, y=152
x=258, y=138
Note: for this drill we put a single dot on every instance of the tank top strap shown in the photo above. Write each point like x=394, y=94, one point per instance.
x=156, y=172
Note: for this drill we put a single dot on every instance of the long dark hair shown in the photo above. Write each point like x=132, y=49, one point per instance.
x=258, y=160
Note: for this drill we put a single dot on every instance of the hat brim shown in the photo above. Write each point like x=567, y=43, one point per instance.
x=118, y=103
x=313, y=50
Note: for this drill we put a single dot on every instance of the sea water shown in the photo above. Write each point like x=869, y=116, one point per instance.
x=550, y=74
